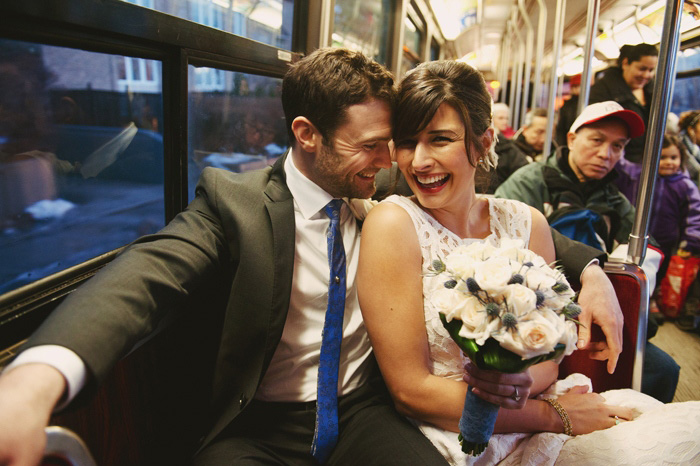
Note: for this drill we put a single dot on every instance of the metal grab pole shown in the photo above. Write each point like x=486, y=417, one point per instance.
x=541, y=31
x=660, y=104
x=519, y=72
x=556, y=49
x=528, y=58
x=591, y=30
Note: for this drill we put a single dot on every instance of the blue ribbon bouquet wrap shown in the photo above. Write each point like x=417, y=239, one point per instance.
x=506, y=309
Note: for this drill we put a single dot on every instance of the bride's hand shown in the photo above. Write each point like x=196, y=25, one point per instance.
x=509, y=391
x=588, y=411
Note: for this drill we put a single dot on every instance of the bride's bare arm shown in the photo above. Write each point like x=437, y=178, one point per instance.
x=391, y=297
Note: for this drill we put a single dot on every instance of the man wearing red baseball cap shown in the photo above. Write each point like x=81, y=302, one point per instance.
x=574, y=189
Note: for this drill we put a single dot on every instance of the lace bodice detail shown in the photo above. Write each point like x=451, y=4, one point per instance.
x=509, y=219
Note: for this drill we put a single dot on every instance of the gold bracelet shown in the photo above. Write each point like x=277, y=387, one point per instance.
x=568, y=428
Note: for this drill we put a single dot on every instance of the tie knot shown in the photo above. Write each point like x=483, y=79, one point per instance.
x=332, y=209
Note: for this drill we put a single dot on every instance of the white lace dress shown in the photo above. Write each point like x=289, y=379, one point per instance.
x=661, y=433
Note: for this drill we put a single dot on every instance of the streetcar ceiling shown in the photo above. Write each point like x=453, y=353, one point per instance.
x=619, y=22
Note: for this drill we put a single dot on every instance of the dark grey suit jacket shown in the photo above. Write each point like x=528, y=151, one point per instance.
x=240, y=225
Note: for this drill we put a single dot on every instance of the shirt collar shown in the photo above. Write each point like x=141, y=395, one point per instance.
x=309, y=197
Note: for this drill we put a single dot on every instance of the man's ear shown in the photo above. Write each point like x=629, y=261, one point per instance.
x=306, y=134
x=570, y=139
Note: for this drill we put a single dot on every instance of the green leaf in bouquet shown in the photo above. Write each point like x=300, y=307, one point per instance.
x=491, y=355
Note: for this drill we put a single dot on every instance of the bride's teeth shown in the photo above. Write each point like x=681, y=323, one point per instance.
x=430, y=179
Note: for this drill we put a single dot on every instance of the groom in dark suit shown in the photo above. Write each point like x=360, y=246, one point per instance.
x=266, y=230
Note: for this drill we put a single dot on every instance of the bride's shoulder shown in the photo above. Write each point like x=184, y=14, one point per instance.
x=390, y=212
x=511, y=206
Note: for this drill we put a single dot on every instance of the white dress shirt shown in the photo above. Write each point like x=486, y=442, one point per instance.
x=293, y=371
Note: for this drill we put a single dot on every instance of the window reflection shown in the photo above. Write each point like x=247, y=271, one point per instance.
x=81, y=158
x=238, y=127
x=266, y=21
x=363, y=25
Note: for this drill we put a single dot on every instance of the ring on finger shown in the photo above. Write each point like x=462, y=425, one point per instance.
x=515, y=395
x=617, y=420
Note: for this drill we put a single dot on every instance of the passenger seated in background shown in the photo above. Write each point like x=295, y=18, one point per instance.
x=501, y=116
x=510, y=158
x=574, y=189
x=569, y=111
x=630, y=84
x=530, y=138
x=439, y=153
x=689, y=132
x=674, y=221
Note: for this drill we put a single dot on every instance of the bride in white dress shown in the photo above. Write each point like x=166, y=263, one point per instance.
x=438, y=153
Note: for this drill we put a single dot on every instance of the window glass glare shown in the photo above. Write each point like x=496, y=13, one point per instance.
x=363, y=25
x=266, y=21
x=81, y=157
x=236, y=122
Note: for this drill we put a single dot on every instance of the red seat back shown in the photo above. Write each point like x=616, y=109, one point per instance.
x=631, y=287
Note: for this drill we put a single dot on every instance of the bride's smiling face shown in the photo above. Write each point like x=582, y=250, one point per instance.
x=435, y=162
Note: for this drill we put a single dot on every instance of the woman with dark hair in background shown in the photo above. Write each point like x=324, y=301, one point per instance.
x=630, y=85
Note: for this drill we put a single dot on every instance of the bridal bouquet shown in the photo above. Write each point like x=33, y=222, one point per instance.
x=507, y=310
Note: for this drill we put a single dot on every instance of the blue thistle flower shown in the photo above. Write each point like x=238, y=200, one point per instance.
x=449, y=284
x=516, y=279
x=510, y=322
x=560, y=287
x=438, y=265
x=539, y=295
x=472, y=285
x=572, y=310
x=492, y=310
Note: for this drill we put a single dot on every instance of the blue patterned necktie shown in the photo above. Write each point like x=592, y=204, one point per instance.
x=326, y=432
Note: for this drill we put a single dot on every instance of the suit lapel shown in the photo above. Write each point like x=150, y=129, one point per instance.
x=280, y=207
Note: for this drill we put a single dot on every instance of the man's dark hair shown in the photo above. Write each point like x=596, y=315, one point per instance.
x=534, y=113
x=430, y=85
x=635, y=52
x=324, y=84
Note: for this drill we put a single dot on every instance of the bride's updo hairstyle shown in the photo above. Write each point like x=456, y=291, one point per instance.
x=426, y=87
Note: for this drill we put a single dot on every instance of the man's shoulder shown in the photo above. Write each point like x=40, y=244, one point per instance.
x=526, y=176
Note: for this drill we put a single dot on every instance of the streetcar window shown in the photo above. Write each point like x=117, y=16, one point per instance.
x=686, y=90
x=81, y=156
x=363, y=25
x=412, y=39
x=266, y=21
x=236, y=122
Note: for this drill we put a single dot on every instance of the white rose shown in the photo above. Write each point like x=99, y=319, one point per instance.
x=557, y=301
x=569, y=337
x=448, y=302
x=473, y=313
x=460, y=263
x=482, y=332
x=520, y=298
x=540, y=279
x=534, y=337
x=513, y=249
x=493, y=274
x=479, y=250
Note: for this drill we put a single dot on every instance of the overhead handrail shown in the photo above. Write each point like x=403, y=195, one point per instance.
x=589, y=48
x=556, y=50
x=529, y=44
x=541, y=31
x=660, y=104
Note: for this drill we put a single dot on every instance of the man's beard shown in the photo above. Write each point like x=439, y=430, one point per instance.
x=337, y=184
